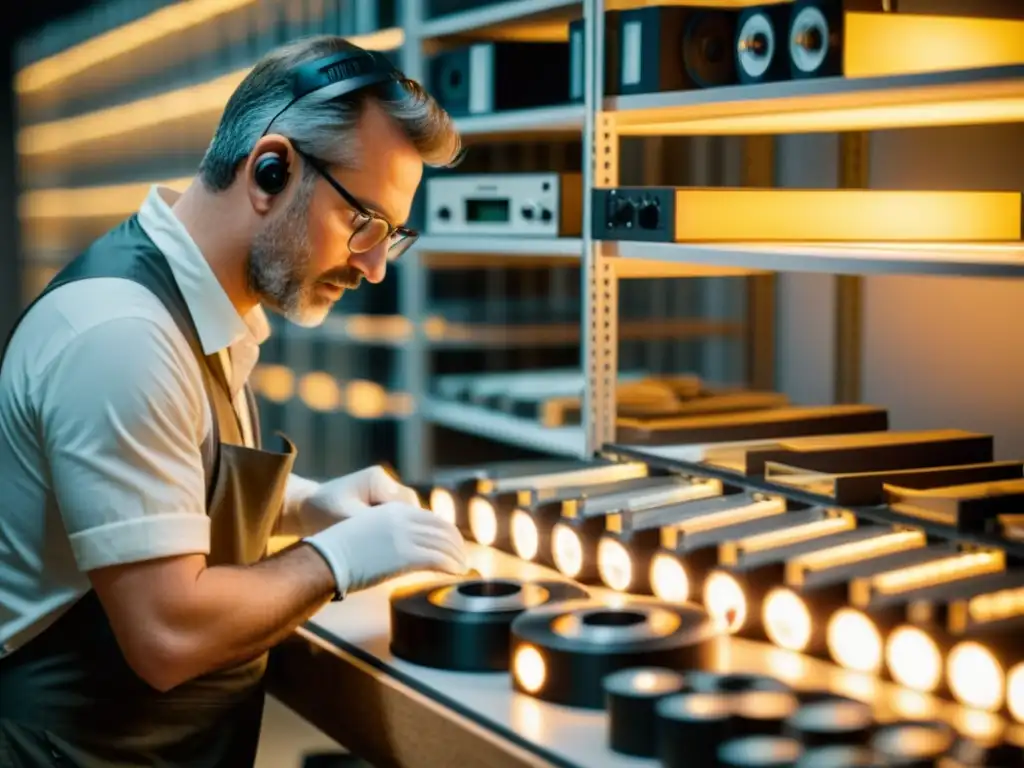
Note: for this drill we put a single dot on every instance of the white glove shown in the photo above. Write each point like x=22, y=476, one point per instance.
x=396, y=538
x=316, y=506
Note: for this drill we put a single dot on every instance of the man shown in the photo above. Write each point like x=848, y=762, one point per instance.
x=137, y=604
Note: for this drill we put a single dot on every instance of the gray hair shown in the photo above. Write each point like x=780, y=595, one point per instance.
x=320, y=128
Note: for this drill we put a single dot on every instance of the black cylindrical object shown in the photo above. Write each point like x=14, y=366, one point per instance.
x=761, y=713
x=690, y=728
x=742, y=682
x=562, y=652
x=760, y=752
x=464, y=626
x=840, y=756
x=631, y=696
x=913, y=744
x=831, y=721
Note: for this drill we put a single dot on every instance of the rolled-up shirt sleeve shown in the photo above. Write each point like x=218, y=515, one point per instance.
x=122, y=413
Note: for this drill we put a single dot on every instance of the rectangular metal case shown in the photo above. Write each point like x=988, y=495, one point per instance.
x=495, y=204
x=484, y=78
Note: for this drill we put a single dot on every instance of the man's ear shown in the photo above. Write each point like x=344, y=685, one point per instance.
x=268, y=171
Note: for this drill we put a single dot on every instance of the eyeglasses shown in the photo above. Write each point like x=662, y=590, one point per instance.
x=371, y=229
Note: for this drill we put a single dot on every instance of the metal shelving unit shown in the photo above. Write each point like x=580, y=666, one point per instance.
x=849, y=106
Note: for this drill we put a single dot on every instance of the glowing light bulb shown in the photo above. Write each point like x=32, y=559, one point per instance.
x=854, y=641
x=913, y=659
x=529, y=668
x=483, y=521
x=1015, y=692
x=725, y=602
x=787, y=620
x=614, y=564
x=567, y=550
x=669, y=581
x=975, y=677
x=442, y=504
x=525, y=538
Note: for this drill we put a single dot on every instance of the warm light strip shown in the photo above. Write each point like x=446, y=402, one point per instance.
x=162, y=23
x=609, y=473
x=844, y=554
x=731, y=551
x=758, y=510
x=703, y=489
x=879, y=44
x=971, y=103
x=926, y=575
x=191, y=102
x=995, y=606
x=90, y=202
x=709, y=215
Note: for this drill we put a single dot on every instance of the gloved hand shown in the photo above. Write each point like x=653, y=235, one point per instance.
x=315, y=506
x=394, y=538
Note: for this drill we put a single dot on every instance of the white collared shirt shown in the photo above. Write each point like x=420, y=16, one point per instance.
x=102, y=415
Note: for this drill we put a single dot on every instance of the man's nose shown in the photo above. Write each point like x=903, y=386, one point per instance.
x=373, y=264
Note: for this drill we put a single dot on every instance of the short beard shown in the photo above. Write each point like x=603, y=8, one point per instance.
x=279, y=261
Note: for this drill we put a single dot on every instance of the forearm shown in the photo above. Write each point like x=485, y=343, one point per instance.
x=234, y=613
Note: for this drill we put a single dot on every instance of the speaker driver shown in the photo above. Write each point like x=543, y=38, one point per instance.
x=810, y=41
x=707, y=48
x=561, y=653
x=464, y=626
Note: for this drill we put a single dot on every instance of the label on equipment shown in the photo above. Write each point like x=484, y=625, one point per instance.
x=631, y=53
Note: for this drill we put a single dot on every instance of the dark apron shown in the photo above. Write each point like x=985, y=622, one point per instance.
x=68, y=697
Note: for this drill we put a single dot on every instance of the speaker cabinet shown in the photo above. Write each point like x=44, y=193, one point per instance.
x=577, y=53
x=485, y=78
x=668, y=48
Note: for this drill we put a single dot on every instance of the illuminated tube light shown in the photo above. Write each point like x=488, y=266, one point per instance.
x=490, y=511
x=856, y=634
x=632, y=537
x=952, y=568
x=979, y=666
x=975, y=676
x=689, y=549
x=749, y=567
x=915, y=652
x=453, y=488
x=815, y=585
x=844, y=215
x=532, y=522
x=1015, y=692
x=200, y=104
x=880, y=44
x=914, y=659
x=577, y=535
x=127, y=38
x=114, y=201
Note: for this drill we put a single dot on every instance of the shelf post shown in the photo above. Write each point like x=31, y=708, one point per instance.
x=600, y=283
x=415, y=444
x=853, y=174
x=759, y=171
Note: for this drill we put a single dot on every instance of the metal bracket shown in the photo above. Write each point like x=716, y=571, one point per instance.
x=600, y=283
x=854, y=171
x=759, y=171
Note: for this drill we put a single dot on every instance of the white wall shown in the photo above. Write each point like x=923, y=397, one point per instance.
x=938, y=352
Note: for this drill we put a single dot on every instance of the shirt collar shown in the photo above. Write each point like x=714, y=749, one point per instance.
x=217, y=321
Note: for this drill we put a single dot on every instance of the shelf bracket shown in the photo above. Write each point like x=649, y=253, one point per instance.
x=600, y=287
x=854, y=172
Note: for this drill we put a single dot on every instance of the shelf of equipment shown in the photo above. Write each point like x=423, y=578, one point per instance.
x=957, y=97
x=493, y=15
x=542, y=121
x=500, y=246
x=473, y=420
